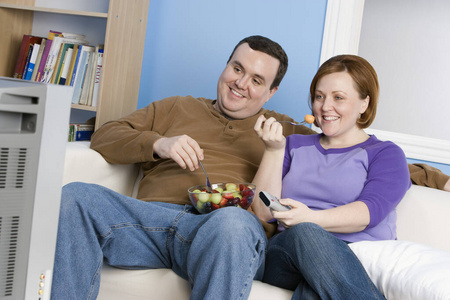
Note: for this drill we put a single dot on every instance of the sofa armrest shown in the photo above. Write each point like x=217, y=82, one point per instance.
x=86, y=165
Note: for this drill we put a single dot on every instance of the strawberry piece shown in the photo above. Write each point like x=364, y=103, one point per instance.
x=223, y=202
x=228, y=196
x=243, y=187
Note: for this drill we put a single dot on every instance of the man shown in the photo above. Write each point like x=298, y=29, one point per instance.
x=218, y=253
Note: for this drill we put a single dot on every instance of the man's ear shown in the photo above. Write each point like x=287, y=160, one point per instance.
x=272, y=92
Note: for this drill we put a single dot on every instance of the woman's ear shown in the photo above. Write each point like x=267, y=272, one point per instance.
x=364, y=104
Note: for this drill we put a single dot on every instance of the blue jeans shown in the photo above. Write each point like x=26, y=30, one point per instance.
x=316, y=265
x=219, y=253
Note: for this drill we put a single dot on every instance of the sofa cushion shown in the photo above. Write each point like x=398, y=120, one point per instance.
x=164, y=284
x=406, y=270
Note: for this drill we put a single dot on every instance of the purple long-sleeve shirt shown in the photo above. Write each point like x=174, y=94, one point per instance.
x=374, y=172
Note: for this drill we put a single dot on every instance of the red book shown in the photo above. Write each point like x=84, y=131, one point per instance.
x=27, y=40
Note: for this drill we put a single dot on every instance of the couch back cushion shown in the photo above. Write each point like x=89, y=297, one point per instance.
x=424, y=217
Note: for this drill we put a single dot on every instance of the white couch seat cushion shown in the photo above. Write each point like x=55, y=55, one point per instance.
x=405, y=270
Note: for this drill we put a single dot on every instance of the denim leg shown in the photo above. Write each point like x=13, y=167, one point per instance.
x=316, y=265
x=227, y=251
x=97, y=224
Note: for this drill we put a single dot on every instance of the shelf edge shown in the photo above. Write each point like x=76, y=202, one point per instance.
x=55, y=11
x=84, y=107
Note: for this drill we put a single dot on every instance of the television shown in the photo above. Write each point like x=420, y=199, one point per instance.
x=34, y=122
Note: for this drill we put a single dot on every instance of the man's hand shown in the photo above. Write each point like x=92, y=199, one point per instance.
x=182, y=149
x=447, y=186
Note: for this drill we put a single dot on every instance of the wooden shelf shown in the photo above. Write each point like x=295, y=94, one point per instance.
x=84, y=107
x=55, y=10
x=126, y=25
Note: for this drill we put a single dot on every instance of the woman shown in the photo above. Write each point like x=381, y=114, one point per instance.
x=342, y=186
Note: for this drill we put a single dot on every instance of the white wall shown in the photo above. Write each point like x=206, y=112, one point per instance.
x=408, y=43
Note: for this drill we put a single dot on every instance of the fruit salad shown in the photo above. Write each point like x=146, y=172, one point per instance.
x=222, y=195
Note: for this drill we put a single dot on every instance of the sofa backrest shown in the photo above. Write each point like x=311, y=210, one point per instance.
x=423, y=214
x=86, y=165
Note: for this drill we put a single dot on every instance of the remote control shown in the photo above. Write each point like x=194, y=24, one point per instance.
x=272, y=202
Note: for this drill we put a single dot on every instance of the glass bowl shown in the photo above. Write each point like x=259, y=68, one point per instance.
x=223, y=195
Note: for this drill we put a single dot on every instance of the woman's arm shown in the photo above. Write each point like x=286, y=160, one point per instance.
x=268, y=176
x=386, y=183
x=352, y=217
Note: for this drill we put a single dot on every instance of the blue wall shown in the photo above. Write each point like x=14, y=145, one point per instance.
x=188, y=43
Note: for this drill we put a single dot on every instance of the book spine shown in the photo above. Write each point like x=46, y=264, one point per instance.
x=72, y=65
x=27, y=62
x=57, y=64
x=51, y=60
x=86, y=80
x=32, y=63
x=65, y=67
x=76, y=66
x=98, y=73
x=22, y=56
x=40, y=73
x=79, y=78
x=38, y=59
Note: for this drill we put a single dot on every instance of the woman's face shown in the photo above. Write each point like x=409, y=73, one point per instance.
x=337, y=105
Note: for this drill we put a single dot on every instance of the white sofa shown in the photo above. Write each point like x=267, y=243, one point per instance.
x=417, y=266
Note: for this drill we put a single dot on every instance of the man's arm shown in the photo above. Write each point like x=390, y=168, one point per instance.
x=425, y=175
x=127, y=140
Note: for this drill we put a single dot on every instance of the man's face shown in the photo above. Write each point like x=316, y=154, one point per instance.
x=244, y=85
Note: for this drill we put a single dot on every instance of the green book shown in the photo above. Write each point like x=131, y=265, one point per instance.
x=60, y=61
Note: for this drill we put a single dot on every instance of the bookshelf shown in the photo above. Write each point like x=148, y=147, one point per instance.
x=121, y=27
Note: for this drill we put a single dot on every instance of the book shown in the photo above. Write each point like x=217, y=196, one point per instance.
x=81, y=71
x=27, y=61
x=76, y=66
x=32, y=61
x=85, y=88
x=90, y=91
x=72, y=65
x=71, y=35
x=59, y=62
x=53, y=55
x=27, y=40
x=38, y=59
x=65, y=66
x=98, y=72
x=51, y=35
x=80, y=132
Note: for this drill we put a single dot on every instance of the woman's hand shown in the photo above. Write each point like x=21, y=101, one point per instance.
x=348, y=218
x=271, y=133
x=299, y=213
